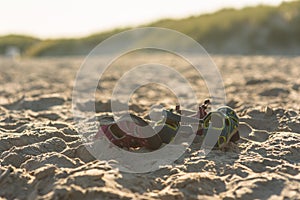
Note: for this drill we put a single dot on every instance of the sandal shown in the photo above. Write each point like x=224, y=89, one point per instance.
x=127, y=133
x=173, y=119
x=224, y=119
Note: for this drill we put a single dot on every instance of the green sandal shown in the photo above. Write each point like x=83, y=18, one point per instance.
x=223, y=120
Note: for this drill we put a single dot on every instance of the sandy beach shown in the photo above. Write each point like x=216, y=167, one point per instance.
x=42, y=156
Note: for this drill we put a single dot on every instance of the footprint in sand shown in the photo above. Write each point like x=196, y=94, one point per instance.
x=246, y=131
x=48, y=115
x=35, y=104
x=275, y=92
x=262, y=119
x=257, y=81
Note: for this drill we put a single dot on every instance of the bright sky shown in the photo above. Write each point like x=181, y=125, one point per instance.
x=67, y=18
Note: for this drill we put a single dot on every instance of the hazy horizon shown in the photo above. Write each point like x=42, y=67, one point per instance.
x=57, y=19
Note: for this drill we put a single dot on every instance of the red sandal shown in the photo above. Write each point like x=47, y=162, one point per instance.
x=127, y=133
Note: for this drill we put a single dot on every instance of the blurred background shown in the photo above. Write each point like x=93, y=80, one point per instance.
x=36, y=28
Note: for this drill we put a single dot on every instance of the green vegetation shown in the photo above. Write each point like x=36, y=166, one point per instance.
x=66, y=47
x=19, y=41
x=252, y=30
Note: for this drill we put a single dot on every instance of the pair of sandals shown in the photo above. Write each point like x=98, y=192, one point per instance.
x=129, y=131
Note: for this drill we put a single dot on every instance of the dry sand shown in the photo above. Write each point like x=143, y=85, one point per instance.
x=42, y=155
